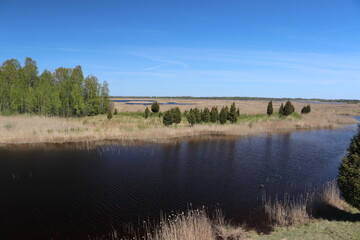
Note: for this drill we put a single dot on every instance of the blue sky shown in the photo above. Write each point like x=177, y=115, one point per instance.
x=260, y=48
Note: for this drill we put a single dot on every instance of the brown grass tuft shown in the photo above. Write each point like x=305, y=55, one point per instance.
x=288, y=211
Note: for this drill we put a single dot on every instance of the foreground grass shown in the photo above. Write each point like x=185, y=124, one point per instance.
x=315, y=230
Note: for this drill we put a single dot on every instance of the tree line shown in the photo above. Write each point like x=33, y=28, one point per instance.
x=64, y=92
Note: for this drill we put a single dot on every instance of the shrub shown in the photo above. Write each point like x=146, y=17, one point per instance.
x=176, y=115
x=146, y=113
x=238, y=112
x=109, y=115
x=232, y=117
x=191, y=117
x=214, y=115
x=115, y=112
x=306, y=109
x=227, y=112
x=349, y=173
x=155, y=107
x=270, y=109
x=205, y=115
x=281, y=110
x=168, y=118
x=223, y=116
x=197, y=115
x=288, y=108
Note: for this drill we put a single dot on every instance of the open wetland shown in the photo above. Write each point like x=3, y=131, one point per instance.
x=73, y=192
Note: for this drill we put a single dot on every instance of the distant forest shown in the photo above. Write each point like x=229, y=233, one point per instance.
x=64, y=92
x=251, y=98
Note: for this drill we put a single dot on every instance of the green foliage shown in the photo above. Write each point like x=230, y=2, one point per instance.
x=226, y=109
x=238, y=112
x=109, y=115
x=176, y=115
x=288, y=108
x=214, y=115
x=115, y=112
x=172, y=116
x=281, y=110
x=168, y=118
x=205, y=115
x=306, y=109
x=197, y=115
x=146, y=113
x=62, y=93
x=232, y=116
x=191, y=117
x=155, y=107
x=349, y=173
x=223, y=116
x=270, y=109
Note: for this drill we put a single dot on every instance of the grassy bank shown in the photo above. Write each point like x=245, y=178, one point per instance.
x=18, y=129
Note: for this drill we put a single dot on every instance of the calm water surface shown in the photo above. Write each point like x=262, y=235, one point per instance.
x=70, y=193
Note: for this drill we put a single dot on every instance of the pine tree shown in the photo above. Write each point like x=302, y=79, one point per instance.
x=281, y=110
x=115, y=112
x=223, y=116
x=155, y=107
x=214, y=115
x=191, y=117
x=176, y=115
x=197, y=115
x=206, y=115
x=270, y=108
x=232, y=117
x=146, y=113
x=168, y=118
x=288, y=109
x=227, y=112
x=349, y=173
x=238, y=112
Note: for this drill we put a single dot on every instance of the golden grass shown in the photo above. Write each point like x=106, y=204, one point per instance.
x=288, y=211
x=132, y=126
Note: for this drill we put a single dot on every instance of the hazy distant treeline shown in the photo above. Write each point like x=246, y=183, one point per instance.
x=251, y=98
x=64, y=92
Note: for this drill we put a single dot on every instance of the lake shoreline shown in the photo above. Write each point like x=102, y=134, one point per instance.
x=27, y=130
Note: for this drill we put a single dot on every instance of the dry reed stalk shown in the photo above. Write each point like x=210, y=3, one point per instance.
x=288, y=211
x=331, y=195
x=193, y=225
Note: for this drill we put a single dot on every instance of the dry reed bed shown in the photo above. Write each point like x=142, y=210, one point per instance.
x=39, y=129
x=197, y=225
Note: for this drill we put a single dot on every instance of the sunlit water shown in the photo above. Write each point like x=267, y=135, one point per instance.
x=70, y=193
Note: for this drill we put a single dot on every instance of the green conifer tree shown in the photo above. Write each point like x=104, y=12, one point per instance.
x=206, y=115
x=191, y=117
x=349, y=173
x=214, y=115
x=223, y=116
x=146, y=113
x=155, y=107
x=232, y=117
x=270, y=108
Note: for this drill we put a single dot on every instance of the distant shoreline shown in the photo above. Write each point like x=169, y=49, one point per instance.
x=20, y=130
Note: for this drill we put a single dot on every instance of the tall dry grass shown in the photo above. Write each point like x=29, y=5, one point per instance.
x=40, y=129
x=291, y=211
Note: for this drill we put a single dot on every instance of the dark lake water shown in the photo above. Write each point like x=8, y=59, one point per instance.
x=64, y=192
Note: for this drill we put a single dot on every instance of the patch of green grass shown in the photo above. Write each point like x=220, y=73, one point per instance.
x=130, y=114
x=316, y=230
